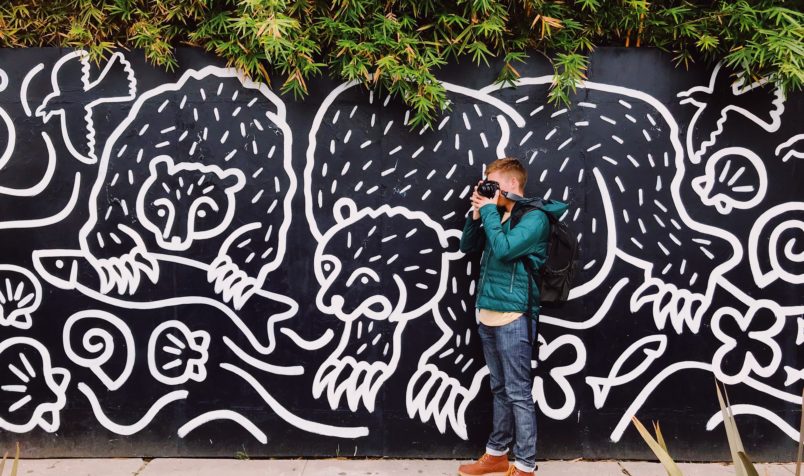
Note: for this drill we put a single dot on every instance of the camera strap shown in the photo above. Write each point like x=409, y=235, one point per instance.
x=512, y=196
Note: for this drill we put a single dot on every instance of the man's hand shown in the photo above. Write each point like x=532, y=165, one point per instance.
x=475, y=210
x=478, y=201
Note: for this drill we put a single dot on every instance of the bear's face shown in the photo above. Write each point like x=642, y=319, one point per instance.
x=388, y=263
x=185, y=202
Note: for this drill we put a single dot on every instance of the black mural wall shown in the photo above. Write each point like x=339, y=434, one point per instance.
x=193, y=265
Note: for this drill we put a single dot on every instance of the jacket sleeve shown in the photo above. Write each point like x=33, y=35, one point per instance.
x=520, y=241
x=473, y=239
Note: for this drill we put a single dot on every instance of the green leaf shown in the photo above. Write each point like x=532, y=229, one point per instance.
x=707, y=42
x=592, y=5
x=479, y=52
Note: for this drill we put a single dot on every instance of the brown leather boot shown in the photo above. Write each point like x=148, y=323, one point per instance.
x=514, y=471
x=487, y=465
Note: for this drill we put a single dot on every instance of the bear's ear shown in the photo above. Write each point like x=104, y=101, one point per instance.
x=452, y=251
x=343, y=209
x=232, y=180
x=161, y=165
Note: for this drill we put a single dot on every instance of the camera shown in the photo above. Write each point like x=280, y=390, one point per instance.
x=488, y=188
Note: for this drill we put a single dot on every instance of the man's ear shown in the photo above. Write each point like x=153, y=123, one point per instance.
x=513, y=184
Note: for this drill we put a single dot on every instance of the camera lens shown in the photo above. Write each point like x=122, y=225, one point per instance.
x=488, y=188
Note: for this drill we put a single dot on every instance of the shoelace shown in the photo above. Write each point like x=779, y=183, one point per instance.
x=511, y=470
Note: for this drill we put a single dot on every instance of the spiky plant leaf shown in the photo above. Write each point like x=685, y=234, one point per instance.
x=747, y=464
x=742, y=464
x=735, y=444
x=15, y=464
x=800, y=438
x=659, y=436
x=668, y=463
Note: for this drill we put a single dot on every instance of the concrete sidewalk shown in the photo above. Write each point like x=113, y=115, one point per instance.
x=332, y=467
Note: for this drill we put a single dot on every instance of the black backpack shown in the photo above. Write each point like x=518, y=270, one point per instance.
x=555, y=277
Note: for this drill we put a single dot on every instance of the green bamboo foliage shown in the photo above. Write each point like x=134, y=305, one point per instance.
x=399, y=45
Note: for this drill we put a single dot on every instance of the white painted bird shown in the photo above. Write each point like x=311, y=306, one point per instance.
x=75, y=94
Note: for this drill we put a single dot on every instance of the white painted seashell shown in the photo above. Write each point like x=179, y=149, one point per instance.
x=20, y=296
x=735, y=177
x=176, y=354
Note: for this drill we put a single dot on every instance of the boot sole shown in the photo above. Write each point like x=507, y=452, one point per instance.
x=502, y=473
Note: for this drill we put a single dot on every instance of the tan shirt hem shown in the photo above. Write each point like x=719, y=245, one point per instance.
x=495, y=318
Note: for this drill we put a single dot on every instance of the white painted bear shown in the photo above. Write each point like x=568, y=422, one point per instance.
x=378, y=269
x=191, y=201
x=201, y=171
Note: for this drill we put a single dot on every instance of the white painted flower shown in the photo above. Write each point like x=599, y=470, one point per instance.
x=32, y=392
x=761, y=324
x=176, y=354
x=20, y=296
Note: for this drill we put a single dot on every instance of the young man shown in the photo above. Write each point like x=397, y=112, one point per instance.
x=502, y=301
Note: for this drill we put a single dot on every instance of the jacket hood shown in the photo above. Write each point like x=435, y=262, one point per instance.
x=553, y=207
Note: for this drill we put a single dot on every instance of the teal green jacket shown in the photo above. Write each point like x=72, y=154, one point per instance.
x=503, y=282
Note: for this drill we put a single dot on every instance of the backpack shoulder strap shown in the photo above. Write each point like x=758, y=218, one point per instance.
x=523, y=208
x=533, y=318
x=526, y=206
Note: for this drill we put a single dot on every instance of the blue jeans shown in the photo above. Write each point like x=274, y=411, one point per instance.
x=508, y=351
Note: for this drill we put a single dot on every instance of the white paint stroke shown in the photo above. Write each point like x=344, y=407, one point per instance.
x=316, y=344
x=44, y=181
x=264, y=366
x=285, y=414
x=746, y=409
x=24, y=87
x=215, y=415
x=41, y=222
x=647, y=391
x=128, y=430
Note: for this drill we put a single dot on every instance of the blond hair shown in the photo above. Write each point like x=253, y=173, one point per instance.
x=509, y=166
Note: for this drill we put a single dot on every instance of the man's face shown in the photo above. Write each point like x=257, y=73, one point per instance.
x=507, y=184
